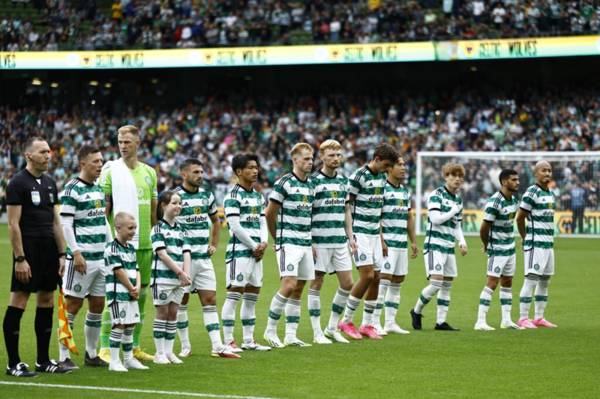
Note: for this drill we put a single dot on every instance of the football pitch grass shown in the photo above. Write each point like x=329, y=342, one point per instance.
x=535, y=363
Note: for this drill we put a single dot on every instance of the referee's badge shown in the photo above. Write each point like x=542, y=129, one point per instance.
x=35, y=197
x=51, y=197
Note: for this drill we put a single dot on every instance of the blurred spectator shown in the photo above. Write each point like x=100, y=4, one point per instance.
x=578, y=202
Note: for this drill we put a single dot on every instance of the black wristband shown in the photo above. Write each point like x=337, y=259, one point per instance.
x=19, y=259
x=62, y=255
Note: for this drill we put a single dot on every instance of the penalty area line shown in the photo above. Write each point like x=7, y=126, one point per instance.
x=131, y=390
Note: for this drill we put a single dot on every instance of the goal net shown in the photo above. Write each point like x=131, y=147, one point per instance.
x=575, y=184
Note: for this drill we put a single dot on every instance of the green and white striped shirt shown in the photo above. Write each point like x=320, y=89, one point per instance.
x=196, y=209
x=367, y=187
x=172, y=239
x=501, y=213
x=85, y=202
x=441, y=237
x=394, y=216
x=119, y=256
x=248, y=206
x=329, y=210
x=539, y=204
x=294, y=221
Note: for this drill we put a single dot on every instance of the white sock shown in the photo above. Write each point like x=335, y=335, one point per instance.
x=384, y=285
x=368, y=310
x=183, y=326
x=292, y=317
x=159, y=329
x=93, y=324
x=314, y=310
x=211, y=323
x=116, y=336
x=228, y=315
x=277, y=305
x=127, y=343
x=337, y=308
x=170, y=333
x=248, y=315
x=506, y=302
x=426, y=295
x=541, y=297
x=391, y=303
x=526, y=295
x=443, y=302
x=485, y=298
x=351, y=306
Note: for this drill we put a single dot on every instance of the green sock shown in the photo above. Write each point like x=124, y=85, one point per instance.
x=105, y=330
x=138, y=327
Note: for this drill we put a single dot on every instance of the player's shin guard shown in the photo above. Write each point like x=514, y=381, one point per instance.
x=93, y=322
x=337, y=308
x=138, y=327
x=314, y=310
x=170, y=333
x=391, y=303
x=211, y=323
x=351, y=306
x=384, y=286
x=541, y=297
x=228, y=315
x=526, y=295
x=426, y=295
x=275, y=310
x=292, y=317
x=248, y=315
x=368, y=310
x=159, y=330
x=183, y=326
x=485, y=298
x=506, y=302
x=115, y=339
x=443, y=302
x=63, y=351
x=127, y=343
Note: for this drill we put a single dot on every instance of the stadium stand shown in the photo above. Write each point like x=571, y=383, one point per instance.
x=90, y=24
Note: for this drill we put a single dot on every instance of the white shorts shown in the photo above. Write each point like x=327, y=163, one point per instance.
x=501, y=265
x=441, y=264
x=242, y=272
x=369, y=252
x=124, y=312
x=333, y=260
x=396, y=263
x=165, y=294
x=81, y=285
x=295, y=261
x=203, y=276
x=539, y=261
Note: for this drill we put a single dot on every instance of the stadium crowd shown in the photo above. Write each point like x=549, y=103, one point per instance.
x=214, y=129
x=194, y=23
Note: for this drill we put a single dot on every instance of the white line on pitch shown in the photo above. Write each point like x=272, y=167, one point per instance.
x=131, y=390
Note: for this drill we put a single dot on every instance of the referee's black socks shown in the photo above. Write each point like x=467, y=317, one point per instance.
x=43, y=332
x=12, y=327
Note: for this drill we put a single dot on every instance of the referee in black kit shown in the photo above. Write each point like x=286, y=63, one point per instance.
x=38, y=256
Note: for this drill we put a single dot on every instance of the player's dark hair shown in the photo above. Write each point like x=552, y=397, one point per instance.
x=240, y=161
x=30, y=141
x=505, y=174
x=386, y=152
x=163, y=199
x=86, y=150
x=189, y=162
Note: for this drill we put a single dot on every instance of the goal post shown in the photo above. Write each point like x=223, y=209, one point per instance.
x=575, y=184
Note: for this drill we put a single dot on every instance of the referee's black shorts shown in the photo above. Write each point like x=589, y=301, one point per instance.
x=42, y=256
